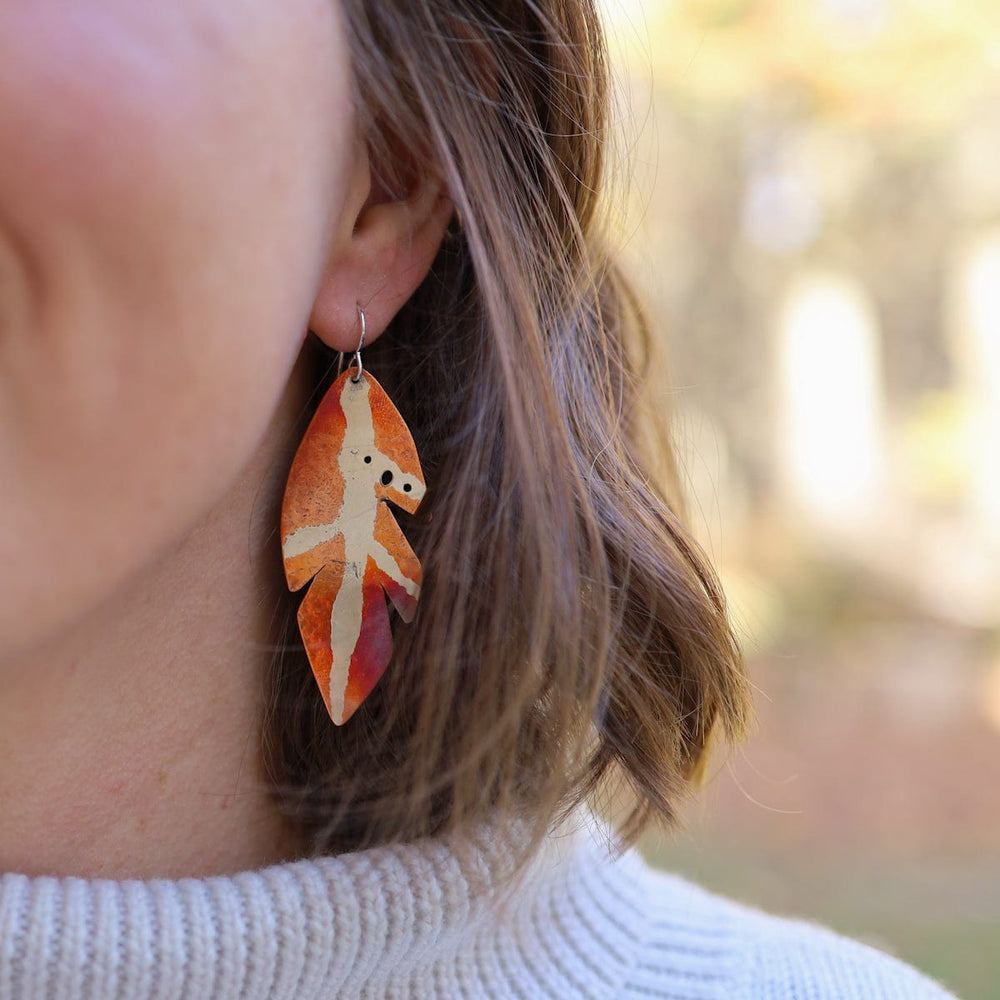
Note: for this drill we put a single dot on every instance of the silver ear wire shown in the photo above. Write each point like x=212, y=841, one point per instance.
x=361, y=342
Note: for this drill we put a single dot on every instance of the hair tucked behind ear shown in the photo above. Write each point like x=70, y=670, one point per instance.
x=569, y=628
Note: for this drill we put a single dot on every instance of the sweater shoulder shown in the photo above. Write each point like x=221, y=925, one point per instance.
x=703, y=946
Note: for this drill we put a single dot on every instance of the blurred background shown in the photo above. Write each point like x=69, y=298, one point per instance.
x=814, y=220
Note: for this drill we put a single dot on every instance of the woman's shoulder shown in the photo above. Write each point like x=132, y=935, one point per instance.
x=699, y=944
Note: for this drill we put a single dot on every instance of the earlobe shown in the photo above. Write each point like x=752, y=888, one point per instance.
x=378, y=262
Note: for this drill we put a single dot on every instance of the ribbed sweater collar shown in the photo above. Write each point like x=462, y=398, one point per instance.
x=421, y=919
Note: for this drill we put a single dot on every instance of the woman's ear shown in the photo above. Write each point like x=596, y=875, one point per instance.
x=383, y=248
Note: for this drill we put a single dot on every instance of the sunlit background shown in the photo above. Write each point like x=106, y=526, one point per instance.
x=814, y=220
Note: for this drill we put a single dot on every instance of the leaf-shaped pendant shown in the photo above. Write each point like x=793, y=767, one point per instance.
x=337, y=531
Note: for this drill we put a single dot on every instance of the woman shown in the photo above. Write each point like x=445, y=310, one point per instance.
x=186, y=189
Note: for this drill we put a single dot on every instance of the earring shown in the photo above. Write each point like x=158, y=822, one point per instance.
x=338, y=532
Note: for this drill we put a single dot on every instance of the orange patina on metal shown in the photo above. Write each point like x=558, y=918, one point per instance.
x=338, y=532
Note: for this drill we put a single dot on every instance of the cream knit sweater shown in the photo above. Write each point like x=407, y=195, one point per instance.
x=425, y=921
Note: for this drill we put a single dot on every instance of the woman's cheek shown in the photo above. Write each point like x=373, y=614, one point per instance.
x=163, y=223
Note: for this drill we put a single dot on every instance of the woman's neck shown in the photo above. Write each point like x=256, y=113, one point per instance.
x=130, y=744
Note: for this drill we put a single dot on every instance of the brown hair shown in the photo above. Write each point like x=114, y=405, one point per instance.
x=569, y=628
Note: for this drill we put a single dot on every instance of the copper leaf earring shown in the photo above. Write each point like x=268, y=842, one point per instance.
x=338, y=532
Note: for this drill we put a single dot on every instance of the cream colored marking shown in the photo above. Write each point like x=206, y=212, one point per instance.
x=356, y=522
x=389, y=566
x=308, y=537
